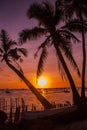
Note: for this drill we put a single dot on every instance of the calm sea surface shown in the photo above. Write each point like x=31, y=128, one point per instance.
x=57, y=96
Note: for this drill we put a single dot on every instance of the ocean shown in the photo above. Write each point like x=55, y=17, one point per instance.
x=59, y=96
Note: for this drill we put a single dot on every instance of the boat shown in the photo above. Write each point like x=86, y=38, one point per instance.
x=7, y=91
x=32, y=115
x=42, y=91
x=66, y=90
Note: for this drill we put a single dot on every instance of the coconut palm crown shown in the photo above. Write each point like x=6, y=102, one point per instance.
x=11, y=54
x=78, y=9
x=49, y=18
x=8, y=52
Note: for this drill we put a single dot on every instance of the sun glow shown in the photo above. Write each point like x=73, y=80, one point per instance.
x=42, y=81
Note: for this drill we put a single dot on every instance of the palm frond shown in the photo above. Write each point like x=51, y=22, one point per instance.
x=68, y=35
x=75, y=25
x=4, y=38
x=13, y=54
x=11, y=44
x=1, y=51
x=35, y=11
x=72, y=8
x=31, y=34
x=49, y=7
x=23, y=51
x=1, y=55
x=68, y=10
x=42, y=59
x=59, y=11
x=68, y=53
x=85, y=10
x=84, y=7
x=7, y=42
x=45, y=43
x=43, y=13
x=61, y=70
x=2, y=59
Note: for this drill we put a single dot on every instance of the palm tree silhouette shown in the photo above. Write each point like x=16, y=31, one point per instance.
x=78, y=8
x=11, y=54
x=49, y=19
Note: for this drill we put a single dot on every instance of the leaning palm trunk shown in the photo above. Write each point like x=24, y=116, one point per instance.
x=42, y=99
x=84, y=57
x=76, y=97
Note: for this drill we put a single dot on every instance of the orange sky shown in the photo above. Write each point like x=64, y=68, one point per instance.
x=8, y=79
x=13, y=19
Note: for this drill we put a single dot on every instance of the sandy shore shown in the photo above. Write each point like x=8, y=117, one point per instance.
x=80, y=125
x=47, y=125
x=75, y=120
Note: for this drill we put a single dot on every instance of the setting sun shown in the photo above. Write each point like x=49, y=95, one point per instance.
x=42, y=82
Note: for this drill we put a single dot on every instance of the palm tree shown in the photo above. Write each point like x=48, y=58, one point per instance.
x=49, y=18
x=11, y=54
x=78, y=8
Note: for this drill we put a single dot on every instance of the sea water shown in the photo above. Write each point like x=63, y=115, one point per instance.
x=53, y=95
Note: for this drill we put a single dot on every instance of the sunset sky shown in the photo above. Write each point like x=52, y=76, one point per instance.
x=13, y=19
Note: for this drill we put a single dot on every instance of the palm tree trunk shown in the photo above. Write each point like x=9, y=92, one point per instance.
x=76, y=97
x=84, y=57
x=42, y=99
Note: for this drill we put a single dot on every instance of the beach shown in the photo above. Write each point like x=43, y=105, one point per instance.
x=59, y=96
x=79, y=125
x=47, y=125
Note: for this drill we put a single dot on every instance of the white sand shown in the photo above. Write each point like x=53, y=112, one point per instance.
x=80, y=125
